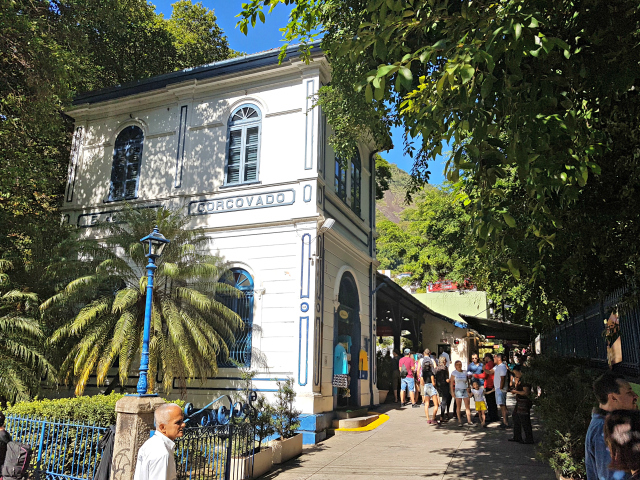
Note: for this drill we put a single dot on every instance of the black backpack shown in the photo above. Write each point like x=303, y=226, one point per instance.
x=403, y=371
x=16, y=462
x=427, y=371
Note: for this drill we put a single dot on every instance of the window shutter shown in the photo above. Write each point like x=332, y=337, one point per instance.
x=244, y=145
x=235, y=156
x=251, y=154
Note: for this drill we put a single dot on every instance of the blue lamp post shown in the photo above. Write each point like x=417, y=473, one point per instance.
x=153, y=243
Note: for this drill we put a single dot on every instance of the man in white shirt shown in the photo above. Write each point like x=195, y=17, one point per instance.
x=500, y=382
x=447, y=358
x=156, y=459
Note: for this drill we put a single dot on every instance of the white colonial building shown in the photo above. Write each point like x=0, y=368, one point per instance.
x=238, y=145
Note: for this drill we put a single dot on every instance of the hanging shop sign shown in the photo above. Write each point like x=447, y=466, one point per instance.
x=236, y=203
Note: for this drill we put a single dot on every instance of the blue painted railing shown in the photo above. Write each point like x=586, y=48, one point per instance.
x=61, y=449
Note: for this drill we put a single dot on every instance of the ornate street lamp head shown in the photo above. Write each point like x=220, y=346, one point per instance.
x=154, y=243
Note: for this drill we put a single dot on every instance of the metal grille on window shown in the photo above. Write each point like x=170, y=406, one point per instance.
x=244, y=145
x=125, y=170
x=356, y=185
x=240, y=351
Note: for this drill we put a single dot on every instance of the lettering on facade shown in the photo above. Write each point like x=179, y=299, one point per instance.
x=243, y=202
x=87, y=220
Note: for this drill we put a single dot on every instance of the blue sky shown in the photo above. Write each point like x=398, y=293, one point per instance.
x=267, y=36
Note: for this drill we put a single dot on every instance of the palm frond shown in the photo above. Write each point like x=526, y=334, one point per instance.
x=125, y=298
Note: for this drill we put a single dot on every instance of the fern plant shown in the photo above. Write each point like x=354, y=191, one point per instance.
x=190, y=330
x=22, y=363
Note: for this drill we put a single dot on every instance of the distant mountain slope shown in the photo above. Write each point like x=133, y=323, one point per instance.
x=393, y=202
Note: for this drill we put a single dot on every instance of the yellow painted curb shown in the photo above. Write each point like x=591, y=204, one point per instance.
x=381, y=419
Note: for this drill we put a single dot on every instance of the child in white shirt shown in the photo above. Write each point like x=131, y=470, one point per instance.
x=478, y=397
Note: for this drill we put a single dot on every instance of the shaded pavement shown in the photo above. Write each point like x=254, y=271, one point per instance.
x=405, y=447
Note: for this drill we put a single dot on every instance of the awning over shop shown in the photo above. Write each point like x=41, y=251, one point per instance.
x=499, y=330
x=397, y=311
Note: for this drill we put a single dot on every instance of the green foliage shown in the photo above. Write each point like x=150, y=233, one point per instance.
x=98, y=409
x=429, y=241
x=286, y=416
x=564, y=408
x=105, y=304
x=22, y=363
x=264, y=419
x=541, y=89
x=383, y=176
x=49, y=51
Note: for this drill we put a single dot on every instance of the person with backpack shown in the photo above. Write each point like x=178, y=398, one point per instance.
x=5, y=438
x=427, y=386
x=14, y=456
x=407, y=368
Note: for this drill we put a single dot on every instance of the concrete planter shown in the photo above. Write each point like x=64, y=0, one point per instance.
x=261, y=463
x=382, y=395
x=284, y=450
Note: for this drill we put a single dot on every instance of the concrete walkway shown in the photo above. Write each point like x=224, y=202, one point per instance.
x=405, y=447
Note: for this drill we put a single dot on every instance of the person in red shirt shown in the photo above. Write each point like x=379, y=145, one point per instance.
x=407, y=363
x=489, y=388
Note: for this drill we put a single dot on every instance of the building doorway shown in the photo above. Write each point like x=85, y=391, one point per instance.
x=347, y=337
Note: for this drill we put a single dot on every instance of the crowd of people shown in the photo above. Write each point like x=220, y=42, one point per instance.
x=427, y=377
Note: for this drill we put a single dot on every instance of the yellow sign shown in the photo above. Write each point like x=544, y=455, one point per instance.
x=344, y=314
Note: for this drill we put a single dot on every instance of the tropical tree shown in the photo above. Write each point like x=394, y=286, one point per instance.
x=190, y=330
x=539, y=88
x=22, y=364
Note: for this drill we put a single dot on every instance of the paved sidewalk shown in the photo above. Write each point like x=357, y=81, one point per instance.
x=405, y=447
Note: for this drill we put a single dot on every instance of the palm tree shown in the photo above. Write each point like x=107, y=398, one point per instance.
x=190, y=330
x=22, y=364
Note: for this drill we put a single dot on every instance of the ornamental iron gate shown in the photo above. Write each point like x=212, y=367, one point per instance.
x=218, y=444
x=61, y=449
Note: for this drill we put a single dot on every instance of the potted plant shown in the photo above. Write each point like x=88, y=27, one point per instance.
x=289, y=445
x=263, y=422
x=255, y=460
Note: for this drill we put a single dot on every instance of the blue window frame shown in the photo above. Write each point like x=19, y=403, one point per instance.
x=240, y=351
x=340, y=180
x=356, y=184
x=243, y=153
x=125, y=169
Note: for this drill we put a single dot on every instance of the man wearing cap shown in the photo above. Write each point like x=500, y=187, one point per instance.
x=408, y=381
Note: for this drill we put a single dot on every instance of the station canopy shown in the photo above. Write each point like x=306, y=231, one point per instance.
x=499, y=330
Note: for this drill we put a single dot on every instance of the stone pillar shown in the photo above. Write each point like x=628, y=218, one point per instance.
x=133, y=424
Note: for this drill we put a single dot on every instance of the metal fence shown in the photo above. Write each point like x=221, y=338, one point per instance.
x=61, y=449
x=220, y=452
x=581, y=336
x=218, y=443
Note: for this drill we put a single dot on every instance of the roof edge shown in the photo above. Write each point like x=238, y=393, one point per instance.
x=231, y=65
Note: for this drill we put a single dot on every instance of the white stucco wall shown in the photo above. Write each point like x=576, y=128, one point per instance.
x=275, y=242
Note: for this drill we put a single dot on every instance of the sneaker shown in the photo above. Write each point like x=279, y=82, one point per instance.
x=515, y=440
x=415, y=405
x=502, y=426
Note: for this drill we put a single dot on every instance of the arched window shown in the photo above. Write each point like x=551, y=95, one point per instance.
x=125, y=170
x=240, y=351
x=244, y=145
x=356, y=184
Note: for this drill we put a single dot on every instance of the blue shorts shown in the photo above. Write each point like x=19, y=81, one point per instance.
x=407, y=383
x=429, y=390
x=461, y=393
x=501, y=397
